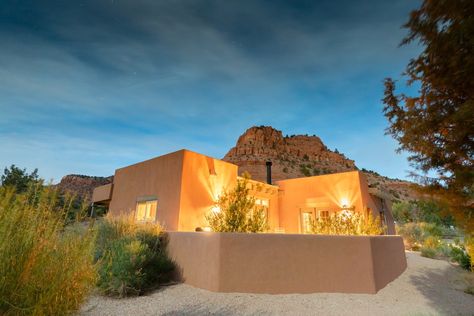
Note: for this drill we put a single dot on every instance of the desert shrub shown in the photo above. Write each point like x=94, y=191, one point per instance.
x=469, y=247
x=45, y=267
x=428, y=252
x=414, y=234
x=459, y=254
x=305, y=171
x=131, y=257
x=444, y=250
x=236, y=211
x=347, y=223
x=430, y=247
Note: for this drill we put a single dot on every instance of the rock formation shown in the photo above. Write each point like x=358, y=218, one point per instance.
x=292, y=157
x=302, y=156
x=82, y=186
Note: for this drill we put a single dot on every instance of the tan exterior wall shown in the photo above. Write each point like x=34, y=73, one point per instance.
x=102, y=193
x=387, y=259
x=326, y=193
x=187, y=185
x=204, y=179
x=160, y=177
x=286, y=263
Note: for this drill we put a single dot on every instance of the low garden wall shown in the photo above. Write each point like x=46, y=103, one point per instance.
x=286, y=263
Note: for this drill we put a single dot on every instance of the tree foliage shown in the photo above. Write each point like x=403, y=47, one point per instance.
x=19, y=178
x=437, y=126
x=422, y=211
x=237, y=211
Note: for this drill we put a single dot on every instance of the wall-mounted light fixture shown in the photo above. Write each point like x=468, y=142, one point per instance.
x=344, y=203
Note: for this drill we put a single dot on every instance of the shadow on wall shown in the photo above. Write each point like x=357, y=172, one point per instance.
x=443, y=288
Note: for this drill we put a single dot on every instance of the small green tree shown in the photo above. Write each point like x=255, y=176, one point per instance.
x=238, y=211
x=19, y=178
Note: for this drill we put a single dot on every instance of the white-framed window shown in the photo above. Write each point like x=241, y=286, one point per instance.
x=264, y=204
x=323, y=214
x=146, y=211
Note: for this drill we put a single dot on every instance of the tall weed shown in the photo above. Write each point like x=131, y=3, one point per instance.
x=44, y=269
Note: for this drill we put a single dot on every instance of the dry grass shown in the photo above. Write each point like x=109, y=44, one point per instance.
x=45, y=270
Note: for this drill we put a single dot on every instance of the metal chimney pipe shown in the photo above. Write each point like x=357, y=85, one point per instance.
x=269, y=171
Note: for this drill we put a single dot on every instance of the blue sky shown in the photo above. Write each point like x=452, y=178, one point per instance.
x=90, y=86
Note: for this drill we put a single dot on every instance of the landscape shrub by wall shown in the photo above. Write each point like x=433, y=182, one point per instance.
x=131, y=257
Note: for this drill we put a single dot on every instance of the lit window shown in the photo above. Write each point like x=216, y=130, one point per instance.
x=263, y=204
x=323, y=214
x=146, y=211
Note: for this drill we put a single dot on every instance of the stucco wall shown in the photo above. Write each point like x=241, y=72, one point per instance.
x=320, y=192
x=287, y=263
x=203, y=180
x=102, y=193
x=160, y=177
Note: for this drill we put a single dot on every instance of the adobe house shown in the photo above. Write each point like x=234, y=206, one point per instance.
x=179, y=189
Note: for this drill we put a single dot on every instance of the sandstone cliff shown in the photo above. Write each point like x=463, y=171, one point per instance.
x=292, y=157
x=82, y=186
x=302, y=156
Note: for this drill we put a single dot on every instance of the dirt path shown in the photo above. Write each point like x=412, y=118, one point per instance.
x=427, y=287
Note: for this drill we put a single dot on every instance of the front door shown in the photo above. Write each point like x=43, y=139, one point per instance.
x=307, y=217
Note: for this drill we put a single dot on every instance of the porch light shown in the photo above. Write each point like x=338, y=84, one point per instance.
x=207, y=229
x=344, y=203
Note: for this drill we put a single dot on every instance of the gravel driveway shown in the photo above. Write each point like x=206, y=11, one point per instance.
x=427, y=287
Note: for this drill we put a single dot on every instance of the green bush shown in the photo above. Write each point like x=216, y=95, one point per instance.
x=431, y=246
x=444, y=250
x=132, y=257
x=414, y=234
x=459, y=255
x=236, y=211
x=45, y=267
x=428, y=252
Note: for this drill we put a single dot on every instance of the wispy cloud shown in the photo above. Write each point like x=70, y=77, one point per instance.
x=89, y=86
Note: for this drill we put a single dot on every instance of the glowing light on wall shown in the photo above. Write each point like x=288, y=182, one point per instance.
x=344, y=202
x=207, y=229
x=216, y=209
